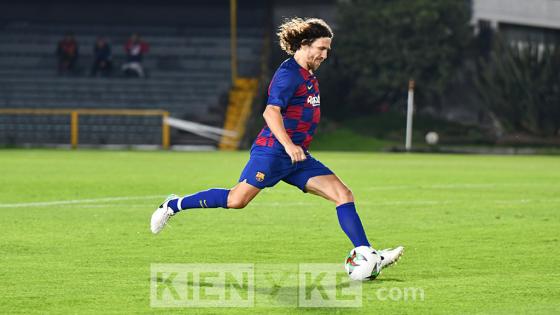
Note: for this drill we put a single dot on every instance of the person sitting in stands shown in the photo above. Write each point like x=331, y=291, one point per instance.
x=102, y=58
x=67, y=53
x=135, y=49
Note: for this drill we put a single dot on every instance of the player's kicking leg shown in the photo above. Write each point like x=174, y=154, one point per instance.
x=332, y=188
x=237, y=197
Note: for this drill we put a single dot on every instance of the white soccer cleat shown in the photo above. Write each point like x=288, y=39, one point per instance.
x=162, y=215
x=390, y=256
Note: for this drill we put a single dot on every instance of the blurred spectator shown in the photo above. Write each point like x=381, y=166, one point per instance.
x=102, y=58
x=67, y=52
x=135, y=49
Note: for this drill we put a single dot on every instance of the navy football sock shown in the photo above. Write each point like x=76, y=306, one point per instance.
x=211, y=198
x=351, y=224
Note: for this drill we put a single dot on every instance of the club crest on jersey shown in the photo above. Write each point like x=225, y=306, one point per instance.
x=314, y=100
x=259, y=177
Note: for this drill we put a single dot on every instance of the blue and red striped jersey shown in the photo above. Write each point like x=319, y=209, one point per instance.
x=296, y=91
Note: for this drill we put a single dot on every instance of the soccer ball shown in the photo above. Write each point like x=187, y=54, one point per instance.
x=432, y=138
x=363, y=263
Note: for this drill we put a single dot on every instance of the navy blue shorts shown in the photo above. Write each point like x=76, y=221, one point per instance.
x=266, y=169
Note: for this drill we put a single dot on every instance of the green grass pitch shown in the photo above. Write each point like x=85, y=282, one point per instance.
x=481, y=232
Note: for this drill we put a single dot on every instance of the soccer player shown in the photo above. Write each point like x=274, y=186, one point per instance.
x=280, y=151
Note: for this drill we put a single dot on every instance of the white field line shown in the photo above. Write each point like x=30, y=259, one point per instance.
x=415, y=202
x=283, y=190
x=77, y=201
x=451, y=186
x=365, y=203
x=420, y=186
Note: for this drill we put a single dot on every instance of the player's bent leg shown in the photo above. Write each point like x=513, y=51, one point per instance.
x=211, y=198
x=237, y=197
x=331, y=188
x=240, y=195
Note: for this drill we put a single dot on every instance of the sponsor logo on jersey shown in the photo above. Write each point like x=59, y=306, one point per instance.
x=314, y=100
x=309, y=87
x=259, y=177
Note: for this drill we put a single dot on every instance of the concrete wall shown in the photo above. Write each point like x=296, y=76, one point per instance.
x=536, y=13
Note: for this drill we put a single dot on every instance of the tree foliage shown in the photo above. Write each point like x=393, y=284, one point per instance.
x=379, y=45
x=520, y=84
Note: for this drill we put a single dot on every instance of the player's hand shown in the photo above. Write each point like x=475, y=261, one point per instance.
x=296, y=153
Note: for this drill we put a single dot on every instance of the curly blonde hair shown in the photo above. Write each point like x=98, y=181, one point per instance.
x=295, y=32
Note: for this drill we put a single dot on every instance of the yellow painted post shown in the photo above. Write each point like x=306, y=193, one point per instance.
x=74, y=129
x=165, y=131
x=233, y=32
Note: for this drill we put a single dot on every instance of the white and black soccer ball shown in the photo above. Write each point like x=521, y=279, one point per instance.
x=363, y=263
x=432, y=138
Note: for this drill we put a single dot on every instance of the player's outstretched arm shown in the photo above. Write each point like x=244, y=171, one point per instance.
x=273, y=118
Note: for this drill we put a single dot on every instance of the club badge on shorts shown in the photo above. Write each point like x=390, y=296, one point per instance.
x=259, y=177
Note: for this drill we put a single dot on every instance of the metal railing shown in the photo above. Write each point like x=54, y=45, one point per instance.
x=76, y=113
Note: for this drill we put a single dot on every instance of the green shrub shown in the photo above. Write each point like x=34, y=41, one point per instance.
x=520, y=84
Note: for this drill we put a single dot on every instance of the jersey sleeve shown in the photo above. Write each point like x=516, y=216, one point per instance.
x=282, y=88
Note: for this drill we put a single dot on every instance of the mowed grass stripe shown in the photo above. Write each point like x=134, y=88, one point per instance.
x=480, y=231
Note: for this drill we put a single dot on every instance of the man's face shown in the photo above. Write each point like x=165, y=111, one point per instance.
x=317, y=52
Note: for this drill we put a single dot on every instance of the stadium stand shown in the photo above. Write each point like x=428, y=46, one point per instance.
x=188, y=75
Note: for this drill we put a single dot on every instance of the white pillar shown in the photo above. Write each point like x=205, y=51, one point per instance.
x=410, y=110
